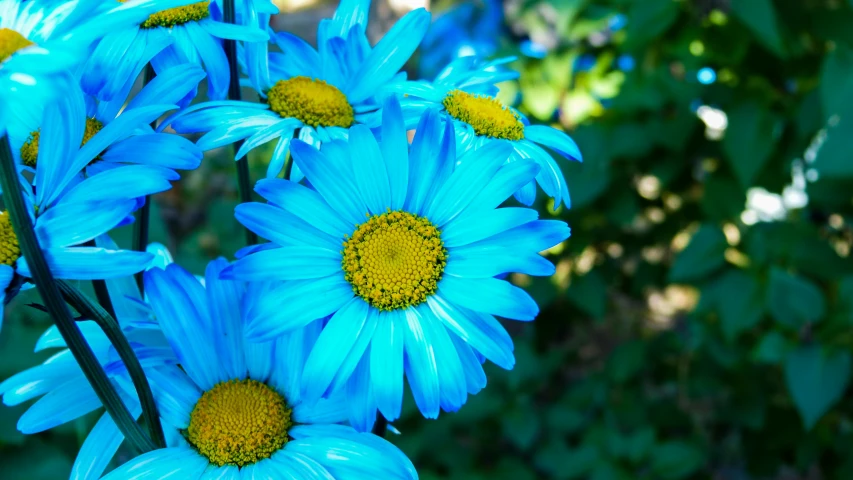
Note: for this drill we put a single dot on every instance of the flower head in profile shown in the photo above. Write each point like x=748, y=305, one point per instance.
x=41, y=40
x=118, y=132
x=70, y=208
x=320, y=93
x=465, y=92
x=173, y=35
x=399, y=247
x=234, y=408
x=60, y=389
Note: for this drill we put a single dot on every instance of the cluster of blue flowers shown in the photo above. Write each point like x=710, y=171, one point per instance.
x=385, y=252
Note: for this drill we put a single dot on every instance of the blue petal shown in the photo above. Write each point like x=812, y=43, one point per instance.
x=550, y=177
x=489, y=295
x=475, y=377
x=395, y=151
x=286, y=263
x=243, y=33
x=486, y=262
x=301, y=58
x=158, y=149
x=178, y=300
x=175, y=393
x=335, y=185
x=332, y=347
x=421, y=367
x=63, y=404
x=90, y=263
x=227, y=472
x=61, y=226
x=451, y=377
x=371, y=177
x=532, y=237
x=281, y=227
x=526, y=195
x=359, y=392
x=215, y=61
x=61, y=133
x=295, y=304
x=555, y=139
x=486, y=337
x=230, y=132
x=225, y=302
x=174, y=463
x=296, y=466
x=389, y=55
x=469, y=178
x=349, y=458
x=323, y=411
x=423, y=161
x=127, y=182
x=386, y=363
x=282, y=128
x=305, y=203
x=169, y=86
x=479, y=225
x=507, y=181
x=99, y=448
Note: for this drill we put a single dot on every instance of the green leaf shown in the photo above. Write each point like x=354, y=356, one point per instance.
x=836, y=83
x=521, y=426
x=816, y=380
x=556, y=459
x=626, y=361
x=750, y=138
x=834, y=158
x=589, y=293
x=760, y=17
x=741, y=303
x=723, y=198
x=704, y=254
x=650, y=19
x=772, y=348
x=674, y=460
x=793, y=300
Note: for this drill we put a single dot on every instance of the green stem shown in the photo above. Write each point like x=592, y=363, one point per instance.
x=143, y=215
x=47, y=288
x=111, y=328
x=244, y=184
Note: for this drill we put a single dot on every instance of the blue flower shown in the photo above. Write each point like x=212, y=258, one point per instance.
x=400, y=247
x=69, y=208
x=187, y=34
x=65, y=393
x=41, y=40
x=465, y=93
x=319, y=93
x=232, y=415
x=463, y=30
x=117, y=132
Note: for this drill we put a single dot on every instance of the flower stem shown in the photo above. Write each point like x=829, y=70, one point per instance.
x=243, y=182
x=143, y=215
x=47, y=288
x=110, y=327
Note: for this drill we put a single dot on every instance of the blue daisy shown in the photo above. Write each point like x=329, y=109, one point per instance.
x=238, y=417
x=65, y=394
x=399, y=247
x=118, y=132
x=465, y=93
x=318, y=93
x=69, y=208
x=185, y=34
x=41, y=40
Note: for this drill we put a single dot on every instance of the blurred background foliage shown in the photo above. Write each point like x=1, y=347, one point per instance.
x=700, y=324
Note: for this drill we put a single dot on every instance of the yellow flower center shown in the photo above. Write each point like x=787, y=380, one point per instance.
x=239, y=422
x=394, y=260
x=488, y=116
x=10, y=42
x=10, y=252
x=178, y=15
x=314, y=102
x=30, y=148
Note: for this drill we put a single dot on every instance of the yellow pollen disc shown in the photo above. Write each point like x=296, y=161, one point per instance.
x=30, y=148
x=488, y=116
x=178, y=15
x=9, y=250
x=239, y=422
x=394, y=260
x=10, y=42
x=313, y=101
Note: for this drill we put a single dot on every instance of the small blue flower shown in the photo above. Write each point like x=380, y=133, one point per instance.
x=186, y=34
x=319, y=93
x=465, y=93
x=395, y=249
x=41, y=40
x=229, y=413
